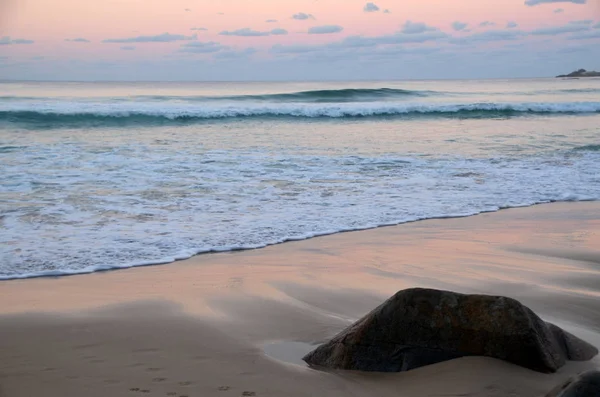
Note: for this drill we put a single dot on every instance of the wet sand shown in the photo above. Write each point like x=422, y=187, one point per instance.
x=201, y=327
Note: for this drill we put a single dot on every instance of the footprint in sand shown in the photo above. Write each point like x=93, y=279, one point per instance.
x=223, y=388
x=248, y=393
x=153, y=369
x=159, y=379
x=185, y=383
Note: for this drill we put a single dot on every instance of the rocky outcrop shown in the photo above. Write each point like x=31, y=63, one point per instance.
x=581, y=73
x=583, y=385
x=418, y=327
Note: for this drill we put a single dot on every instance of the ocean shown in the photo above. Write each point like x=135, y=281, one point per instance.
x=98, y=176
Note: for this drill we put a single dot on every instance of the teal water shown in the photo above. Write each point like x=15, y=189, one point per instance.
x=107, y=175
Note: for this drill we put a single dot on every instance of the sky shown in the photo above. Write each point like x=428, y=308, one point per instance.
x=241, y=40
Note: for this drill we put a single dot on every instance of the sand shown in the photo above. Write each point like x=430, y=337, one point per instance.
x=237, y=324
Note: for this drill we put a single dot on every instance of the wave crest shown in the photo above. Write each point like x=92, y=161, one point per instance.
x=138, y=112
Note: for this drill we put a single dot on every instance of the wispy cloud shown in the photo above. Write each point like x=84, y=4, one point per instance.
x=486, y=24
x=199, y=47
x=78, y=40
x=386, y=11
x=235, y=54
x=537, y=2
x=325, y=29
x=410, y=27
x=582, y=22
x=354, y=43
x=161, y=38
x=6, y=40
x=571, y=27
x=370, y=7
x=271, y=20
x=279, y=32
x=459, y=26
x=128, y=48
x=559, y=10
x=301, y=16
x=199, y=29
x=511, y=25
x=489, y=36
x=592, y=34
x=247, y=32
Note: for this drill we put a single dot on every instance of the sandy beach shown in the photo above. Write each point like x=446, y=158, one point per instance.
x=237, y=324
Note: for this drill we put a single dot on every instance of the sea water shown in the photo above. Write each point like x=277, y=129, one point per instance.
x=97, y=176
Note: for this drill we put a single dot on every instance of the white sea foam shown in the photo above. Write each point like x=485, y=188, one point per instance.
x=68, y=210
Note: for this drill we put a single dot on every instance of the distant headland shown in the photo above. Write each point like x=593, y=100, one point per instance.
x=581, y=73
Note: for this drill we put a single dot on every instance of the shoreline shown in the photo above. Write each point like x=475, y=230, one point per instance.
x=206, y=326
x=82, y=272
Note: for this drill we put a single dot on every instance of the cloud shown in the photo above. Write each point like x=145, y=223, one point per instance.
x=596, y=26
x=532, y=3
x=302, y=16
x=161, y=38
x=485, y=24
x=511, y=25
x=354, y=43
x=6, y=40
x=199, y=29
x=279, y=32
x=271, y=20
x=199, y=47
x=325, y=29
x=78, y=40
x=410, y=27
x=294, y=49
x=220, y=13
x=386, y=11
x=187, y=10
x=404, y=38
x=559, y=10
x=236, y=54
x=459, y=26
x=573, y=49
x=489, y=36
x=128, y=48
x=370, y=7
x=592, y=34
x=582, y=22
x=247, y=32
x=571, y=27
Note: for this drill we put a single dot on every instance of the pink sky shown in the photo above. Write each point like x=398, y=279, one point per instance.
x=50, y=22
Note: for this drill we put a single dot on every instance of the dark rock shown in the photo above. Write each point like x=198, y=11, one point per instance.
x=418, y=327
x=586, y=384
x=581, y=73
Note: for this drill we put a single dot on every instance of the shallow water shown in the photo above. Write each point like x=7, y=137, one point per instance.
x=107, y=175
